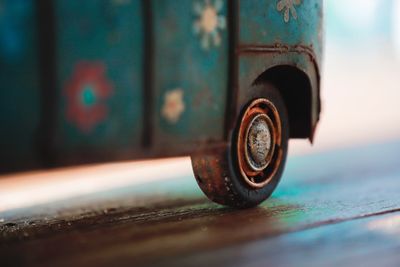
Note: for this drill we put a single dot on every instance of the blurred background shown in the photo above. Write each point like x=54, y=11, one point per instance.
x=360, y=94
x=360, y=76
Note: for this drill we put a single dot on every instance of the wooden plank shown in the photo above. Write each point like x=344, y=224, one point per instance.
x=167, y=222
x=367, y=242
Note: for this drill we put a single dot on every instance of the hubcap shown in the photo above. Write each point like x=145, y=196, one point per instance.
x=259, y=143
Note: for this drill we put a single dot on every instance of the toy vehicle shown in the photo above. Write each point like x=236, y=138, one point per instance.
x=227, y=82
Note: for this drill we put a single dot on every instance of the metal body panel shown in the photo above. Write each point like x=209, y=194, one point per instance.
x=190, y=73
x=19, y=85
x=99, y=55
x=252, y=64
x=263, y=23
x=143, y=79
x=273, y=33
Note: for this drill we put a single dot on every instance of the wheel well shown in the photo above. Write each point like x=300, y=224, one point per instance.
x=295, y=88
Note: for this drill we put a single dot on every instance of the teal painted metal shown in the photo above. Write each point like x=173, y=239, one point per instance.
x=191, y=71
x=199, y=59
x=263, y=22
x=251, y=66
x=281, y=32
x=19, y=84
x=99, y=60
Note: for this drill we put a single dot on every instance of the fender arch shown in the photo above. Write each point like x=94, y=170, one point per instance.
x=296, y=90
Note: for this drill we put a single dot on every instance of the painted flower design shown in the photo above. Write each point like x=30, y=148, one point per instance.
x=209, y=22
x=173, y=105
x=288, y=7
x=86, y=93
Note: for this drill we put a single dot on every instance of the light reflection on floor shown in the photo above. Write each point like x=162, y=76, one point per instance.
x=39, y=187
x=388, y=225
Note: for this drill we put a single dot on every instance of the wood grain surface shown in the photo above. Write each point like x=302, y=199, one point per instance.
x=335, y=208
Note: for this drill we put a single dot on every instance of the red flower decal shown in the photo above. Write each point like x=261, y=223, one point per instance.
x=87, y=92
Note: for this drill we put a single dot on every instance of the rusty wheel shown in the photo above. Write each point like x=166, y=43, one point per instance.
x=246, y=171
x=259, y=138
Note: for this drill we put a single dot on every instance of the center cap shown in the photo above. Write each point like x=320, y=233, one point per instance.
x=259, y=142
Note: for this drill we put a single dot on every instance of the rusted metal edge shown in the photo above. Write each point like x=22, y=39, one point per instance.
x=282, y=49
x=278, y=48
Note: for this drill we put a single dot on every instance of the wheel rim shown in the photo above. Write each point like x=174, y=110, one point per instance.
x=259, y=143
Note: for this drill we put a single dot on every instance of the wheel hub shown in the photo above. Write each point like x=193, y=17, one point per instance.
x=259, y=143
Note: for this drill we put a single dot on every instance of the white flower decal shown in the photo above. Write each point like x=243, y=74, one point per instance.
x=288, y=6
x=209, y=22
x=173, y=105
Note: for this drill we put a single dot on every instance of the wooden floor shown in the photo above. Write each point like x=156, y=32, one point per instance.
x=340, y=208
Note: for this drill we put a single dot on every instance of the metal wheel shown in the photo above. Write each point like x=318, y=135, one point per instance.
x=258, y=139
x=245, y=171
